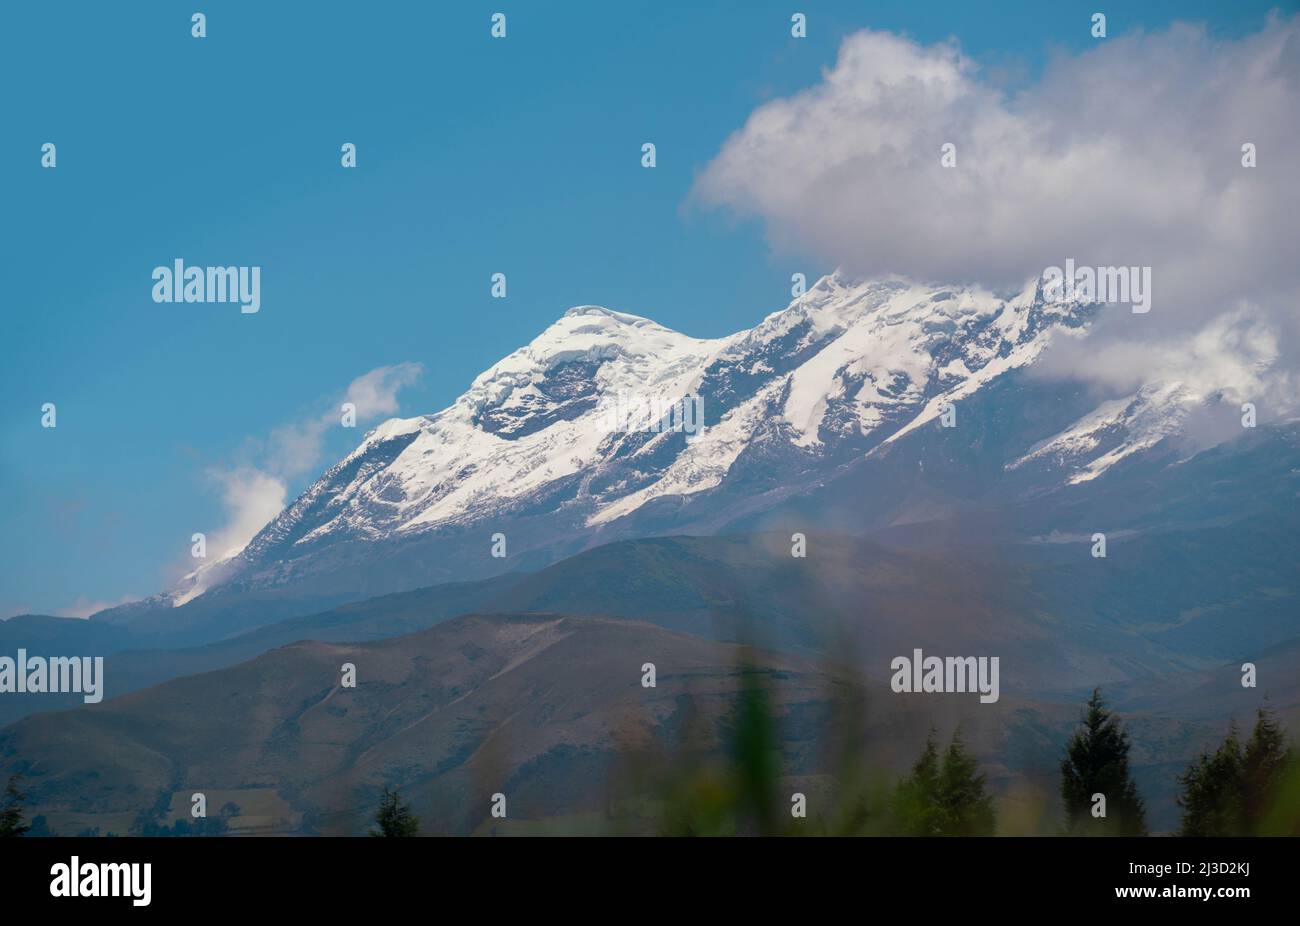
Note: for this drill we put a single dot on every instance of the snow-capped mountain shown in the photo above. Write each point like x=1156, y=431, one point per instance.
x=847, y=371
x=1115, y=430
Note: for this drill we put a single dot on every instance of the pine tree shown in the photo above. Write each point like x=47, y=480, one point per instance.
x=1264, y=764
x=916, y=805
x=1233, y=791
x=1096, y=762
x=947, y=799
x=1212, y=791
x=966, y=808
x=394, y=817
x=11, y=815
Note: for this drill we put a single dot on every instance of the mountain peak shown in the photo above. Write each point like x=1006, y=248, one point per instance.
x=623, y=317
x=551, y=431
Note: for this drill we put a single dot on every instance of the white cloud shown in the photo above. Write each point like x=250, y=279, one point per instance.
x=255, y=492
x=375, y=393
x=251, y=499
x=1236, y=352
x=1127, y=154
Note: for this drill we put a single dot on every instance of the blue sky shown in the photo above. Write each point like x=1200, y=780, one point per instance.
x=475, y=156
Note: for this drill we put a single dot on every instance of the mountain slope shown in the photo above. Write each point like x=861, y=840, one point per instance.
x=559, y=445
x=545, y=708
x=564, y=445
x=482, y=702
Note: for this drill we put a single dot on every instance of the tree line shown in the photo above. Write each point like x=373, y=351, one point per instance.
x=1238, y=789
x=1248, y=788
x=1241, y=788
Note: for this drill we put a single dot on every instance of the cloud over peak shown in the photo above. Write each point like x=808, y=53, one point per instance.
x=255, y=491
x=1128, y=154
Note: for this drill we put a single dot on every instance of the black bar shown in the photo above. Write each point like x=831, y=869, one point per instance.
x=641, y=876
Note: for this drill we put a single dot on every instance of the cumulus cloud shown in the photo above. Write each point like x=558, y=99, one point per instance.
x=1127, y=154
x=255, y=491
x=1235, y=353
x=251, y=498
x=375, y=393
